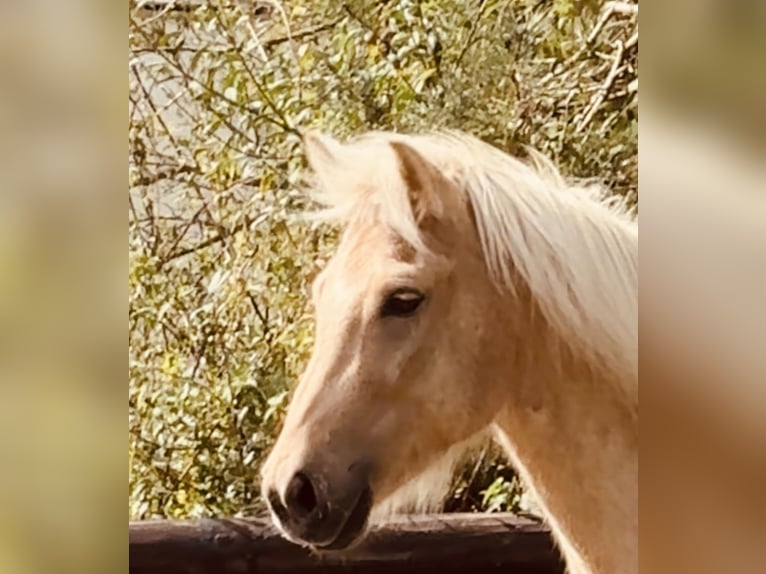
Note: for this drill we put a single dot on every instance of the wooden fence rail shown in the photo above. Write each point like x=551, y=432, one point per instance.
x=445, y=543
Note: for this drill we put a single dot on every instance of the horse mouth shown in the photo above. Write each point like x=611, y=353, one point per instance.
x=355, y=525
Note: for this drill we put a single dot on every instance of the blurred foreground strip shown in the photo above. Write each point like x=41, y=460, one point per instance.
x=702, y=348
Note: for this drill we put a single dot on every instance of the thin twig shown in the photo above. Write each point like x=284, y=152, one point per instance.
x=611, y=8
x=269, y=43
x=218, y=238
x=291, y=42
x=185, y=228
x=263, y=317
x=632, y=41
x=604, y=88
x=474, y=27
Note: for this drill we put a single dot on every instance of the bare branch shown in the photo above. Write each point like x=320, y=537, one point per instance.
x=604, y=88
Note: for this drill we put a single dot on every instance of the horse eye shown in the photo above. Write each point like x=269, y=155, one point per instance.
x=402, y=303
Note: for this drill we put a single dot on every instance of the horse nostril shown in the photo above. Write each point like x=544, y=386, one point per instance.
x=300, y=498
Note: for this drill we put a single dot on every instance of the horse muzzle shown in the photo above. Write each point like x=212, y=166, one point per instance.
x=312, y=511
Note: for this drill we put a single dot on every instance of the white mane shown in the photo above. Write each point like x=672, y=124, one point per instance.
x=576, y=248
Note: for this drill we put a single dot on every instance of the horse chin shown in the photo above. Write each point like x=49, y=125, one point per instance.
x=354, y=529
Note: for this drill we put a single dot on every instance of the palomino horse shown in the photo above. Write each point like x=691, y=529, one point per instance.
x=469, y=292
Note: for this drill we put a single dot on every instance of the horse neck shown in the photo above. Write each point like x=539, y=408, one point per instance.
x=570, y=434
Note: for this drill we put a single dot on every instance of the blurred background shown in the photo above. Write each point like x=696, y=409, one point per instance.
x=220, y=325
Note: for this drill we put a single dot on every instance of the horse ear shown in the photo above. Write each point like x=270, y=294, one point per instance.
x=323, y=153
x=421, y=179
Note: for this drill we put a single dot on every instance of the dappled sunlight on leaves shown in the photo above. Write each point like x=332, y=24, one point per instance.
x=220, y=266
